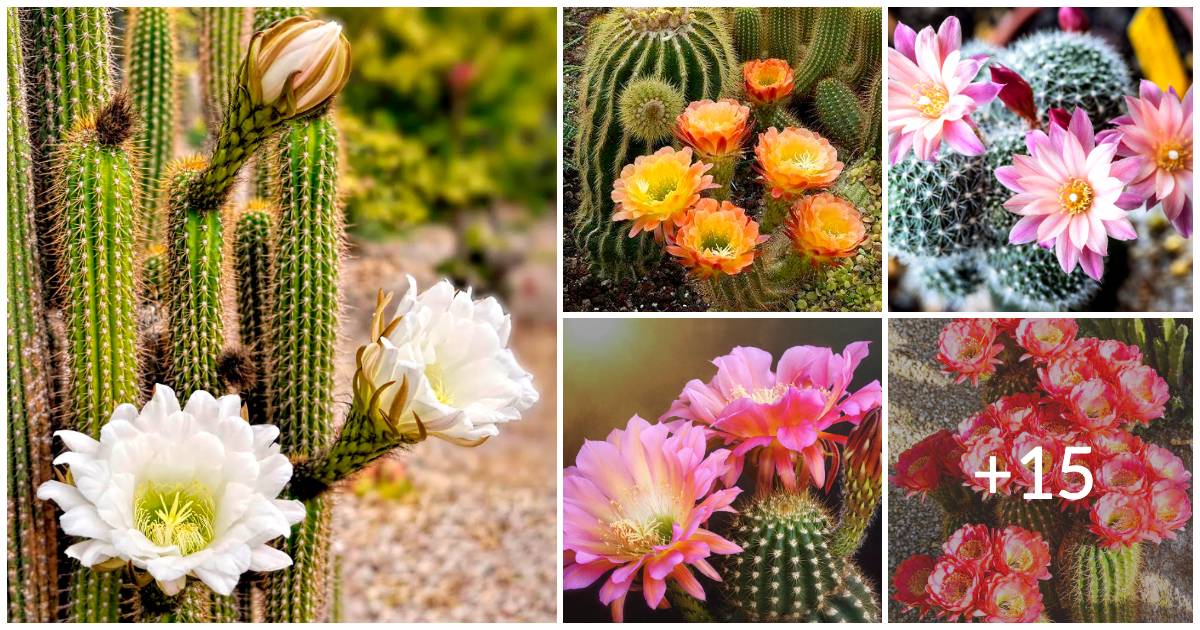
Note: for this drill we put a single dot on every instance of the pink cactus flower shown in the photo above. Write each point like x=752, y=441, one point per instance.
x=1144, y=393
x=1012, y=598
x=1068, y=193
x=919, y=469
x=1166, y=465
x=1170, y=508
x=1113, y=441
x=1111, y=357
x=971, y=544
x=967, y=348
x=978, y=459
x=930, y=93
x=635, y=504
x=971, y=428
x=1044, y=339
x=1013, y=413
x=952, y=586
x=1158, y=129
x=1052, y=450
x=1119, y=520
x=910, y=580
x=1062, y=373
x=1023, y=552
x=1124, y=473
x=1095, y=404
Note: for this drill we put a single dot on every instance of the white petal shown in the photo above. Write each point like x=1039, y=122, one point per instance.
x=202, y=405
x=89, y=553
x=163, y=404
x=273, y=474
x=234, y=503
x=264, y=435
x=66, y=496
x=293, y=511
x=265, y=558
x=84, y=522
x=79, y=442
x=172, y=587
x=230, y=406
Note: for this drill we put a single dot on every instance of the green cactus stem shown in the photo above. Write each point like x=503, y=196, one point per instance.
x=788, y=28
x=862, y=486
x=302, y=342
x=96, y=211
x=32, y=557
x=748, y=33
x=855, y=602
x=264, y=163
x=843, y=119
x=689, y=48
x=827, y=50
x=866, y=46
x=221, y=32
x=150, y=80
x=252, y=269
x=1097, y=585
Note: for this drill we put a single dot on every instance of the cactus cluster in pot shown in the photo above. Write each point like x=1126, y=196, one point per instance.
x=640, y=508
x=184, y=462
x=740, y=143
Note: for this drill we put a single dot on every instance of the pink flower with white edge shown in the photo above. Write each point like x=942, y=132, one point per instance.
x=1144, y=393
x=635, y=504
x=952, y=586
x=1024, y=473
x=930, y=93
x=1119, y=520
x=1158, y=129
x=1113, y=441
x=1062, y=373
x=1014, y=413
x=1170, y=508
x=1166, y=465
x=1012, y=598
x=1124, y=473
x=1044, y=339
x=1018, y=550
x=1069, y=193
x=1095, y=404
x=967, y=348
x=1111, y=357
x=979, y=458
x=971, y=544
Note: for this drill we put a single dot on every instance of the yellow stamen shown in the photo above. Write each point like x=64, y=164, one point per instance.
x=1173, y=157
x=932, y=101
x=1075, y=196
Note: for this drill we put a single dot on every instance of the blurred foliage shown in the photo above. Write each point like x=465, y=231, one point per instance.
x=447, y=108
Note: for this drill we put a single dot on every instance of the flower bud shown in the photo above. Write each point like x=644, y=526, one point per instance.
x=1015, y=93
x=297, y=64
x=1073, y=20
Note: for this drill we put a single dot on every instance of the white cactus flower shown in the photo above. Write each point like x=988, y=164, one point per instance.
x=471, y=382
x=177, y=493
x=299, y=62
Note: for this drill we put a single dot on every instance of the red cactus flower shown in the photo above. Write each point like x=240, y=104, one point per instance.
x=1015, y=93
x=1170, y=508
x=1144, y=393
x=1119, y=520
x=971, y=544
x=1012, y=598
x=910, y=580
x=1095, y=404
x=978, y=458
x=1112, y=357
x=1052, y=451
x=952, y=586
x=1044, y=339
x=1073, y=20
x=1022, y=552
x=967, y=348
x=1165, y=465
x=1063, y=373
x=1124, y=473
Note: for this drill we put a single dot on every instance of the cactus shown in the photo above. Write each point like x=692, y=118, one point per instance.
x=32, y=557
x=866, y=46
x=252, y=244
x=300, y=387
x=220, y=55
x=1068, y=70
x=690, y=48
x=934, y=207
x=827, y=50
x=843, y=119
x=1042, y=517
x=648, y=107
x=748, y=36
x=263, y=174
x=951, y=279
x=96, y=214
x=1097, y=585
x=150, y=80
x=855, y=603
x=862, y=486
x=1029, y=278
x=787, y=31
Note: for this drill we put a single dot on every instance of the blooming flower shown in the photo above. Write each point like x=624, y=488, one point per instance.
x=716, y=238
x=637, y=503
x=297, y=64
x=1112, y=441
x=177, y=492
x=1144, y=393
x=919, y=469
x=1024, y=474
x=978, y=457
x=1165, y=465
x=1111, y=357
x=825, y=228
x=930, y=94
x=1062, y=373
x=767, y=81
x=1068, y=190
x=971, y=544
x=656, y=190
x=910, y=580
x=471, y=381
x=1123, y=473
x=714, y=129
x=794, y=161
x=780, y=418
x=952, y=586
x=1119, y=520
x=1012, y=598
x=1044, y=339
x=1094, y=403
x=1170, y=509
x=1158, y=129
x=1023, y=552
x=967, y=348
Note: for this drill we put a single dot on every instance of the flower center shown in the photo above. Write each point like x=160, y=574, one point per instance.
x=971, y=549
x=717, y=244
x=1020, y=561
x=1075, y=196
x=958, y=585
x=182, y=515
x=769, y=77
x=805, y=161
x=658, y=189
x=971, y=349
x=437, y=382
x=932, y=101
x=1123, y=478
x=763, y=395
x=1121, y=520
x=1011, y=606
x=640, y=537
x=1173, y=157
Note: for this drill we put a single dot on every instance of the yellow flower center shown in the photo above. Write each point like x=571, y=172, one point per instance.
x=1012, y=606
x=762, y=396
x=1050, y=335
x=639, y=537
x=1120, y=520
x=1174, y=157
x=805, y=161
x=971, y=349
x=437, y=382
x=182, y=515
x=932, y=101
x=767, y=77
x=1019, y=561
x=1075, y=196
x=717, y=244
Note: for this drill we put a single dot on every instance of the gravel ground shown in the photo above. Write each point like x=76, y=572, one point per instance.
x=475, y=541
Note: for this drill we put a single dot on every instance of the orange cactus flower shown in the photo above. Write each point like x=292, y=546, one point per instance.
x=656, y=190
x=767, y=81
x=793, y=161
x=825, y=228
x=716, y=238
x=714, y=129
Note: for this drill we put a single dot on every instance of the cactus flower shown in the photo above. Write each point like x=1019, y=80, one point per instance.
x=1124, y=473
x=1069, y=194
x=930, y=93
x=952, y=586
x=1062, y=373
x=714, y=129
x=1095, y=404
x=1073, y=20
x=1166, y=465
x=1170, y=508
x=1112, y=441
x=1120, y=520
x=1158, y=129
x=1024, y=473
x=636, y=505
x=967, y=349
x=470, y=381
x=910, y=582
x=297, y=64
x=794, y=161
x=177, y=492
x=1015, y=93
x=1144, y=394
x=825, y=228
x=919, y=469
x=1012, y=598
x=1044, y=338
x=978, y=458
x=971, y=544
x=716, y=238
x=1018, y=550
x=767, y=81
x=1111, y=357
x=657, y=190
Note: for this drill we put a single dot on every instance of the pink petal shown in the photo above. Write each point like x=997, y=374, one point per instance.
x=1025, y=230
x=1092, y=263
x=961, y=137
x=904, y=38
x=949, y=36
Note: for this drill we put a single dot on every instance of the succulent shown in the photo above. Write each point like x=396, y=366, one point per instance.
x=1029, y=278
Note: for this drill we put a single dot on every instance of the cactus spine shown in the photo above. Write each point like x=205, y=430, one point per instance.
x=32, y=570
x=150, y=76
x=862, y=488
x=748, y=33
x=302, y=343
x=842, y=117
x=220, y=57
x=827, y=50
x=689, y=48
x=97, y=200
x=252, y=266
x=787, y=30
x=1097, y=585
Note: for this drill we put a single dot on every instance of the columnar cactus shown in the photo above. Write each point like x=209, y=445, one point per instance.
x=690, y=49
x=221, y=30
x=827, y=49
x=263, y=179
x=1097, y=585
x=863, y=487
x=788, y=28
x=150, y=81
x=32, y=557
x=748, y=33
x=252, y=244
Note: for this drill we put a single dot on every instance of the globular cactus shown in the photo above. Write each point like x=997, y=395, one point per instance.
x=648, y=107
x=301, y=342
x=252, y=255
x=748, y=33
x=1068, y=70
x=1029, y=278
x=788, y=28
x=689, y=48
x=952, y=278
x=221, y=30
x=862, y=487
x=1042, y=517
x=934, y=207
x=96, y=215
x=150, y=81
x=32, y=557
x=1097, y=585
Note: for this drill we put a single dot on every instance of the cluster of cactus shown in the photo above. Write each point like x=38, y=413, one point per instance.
x=88, y=179
x=644, y=65
x=946, y=218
